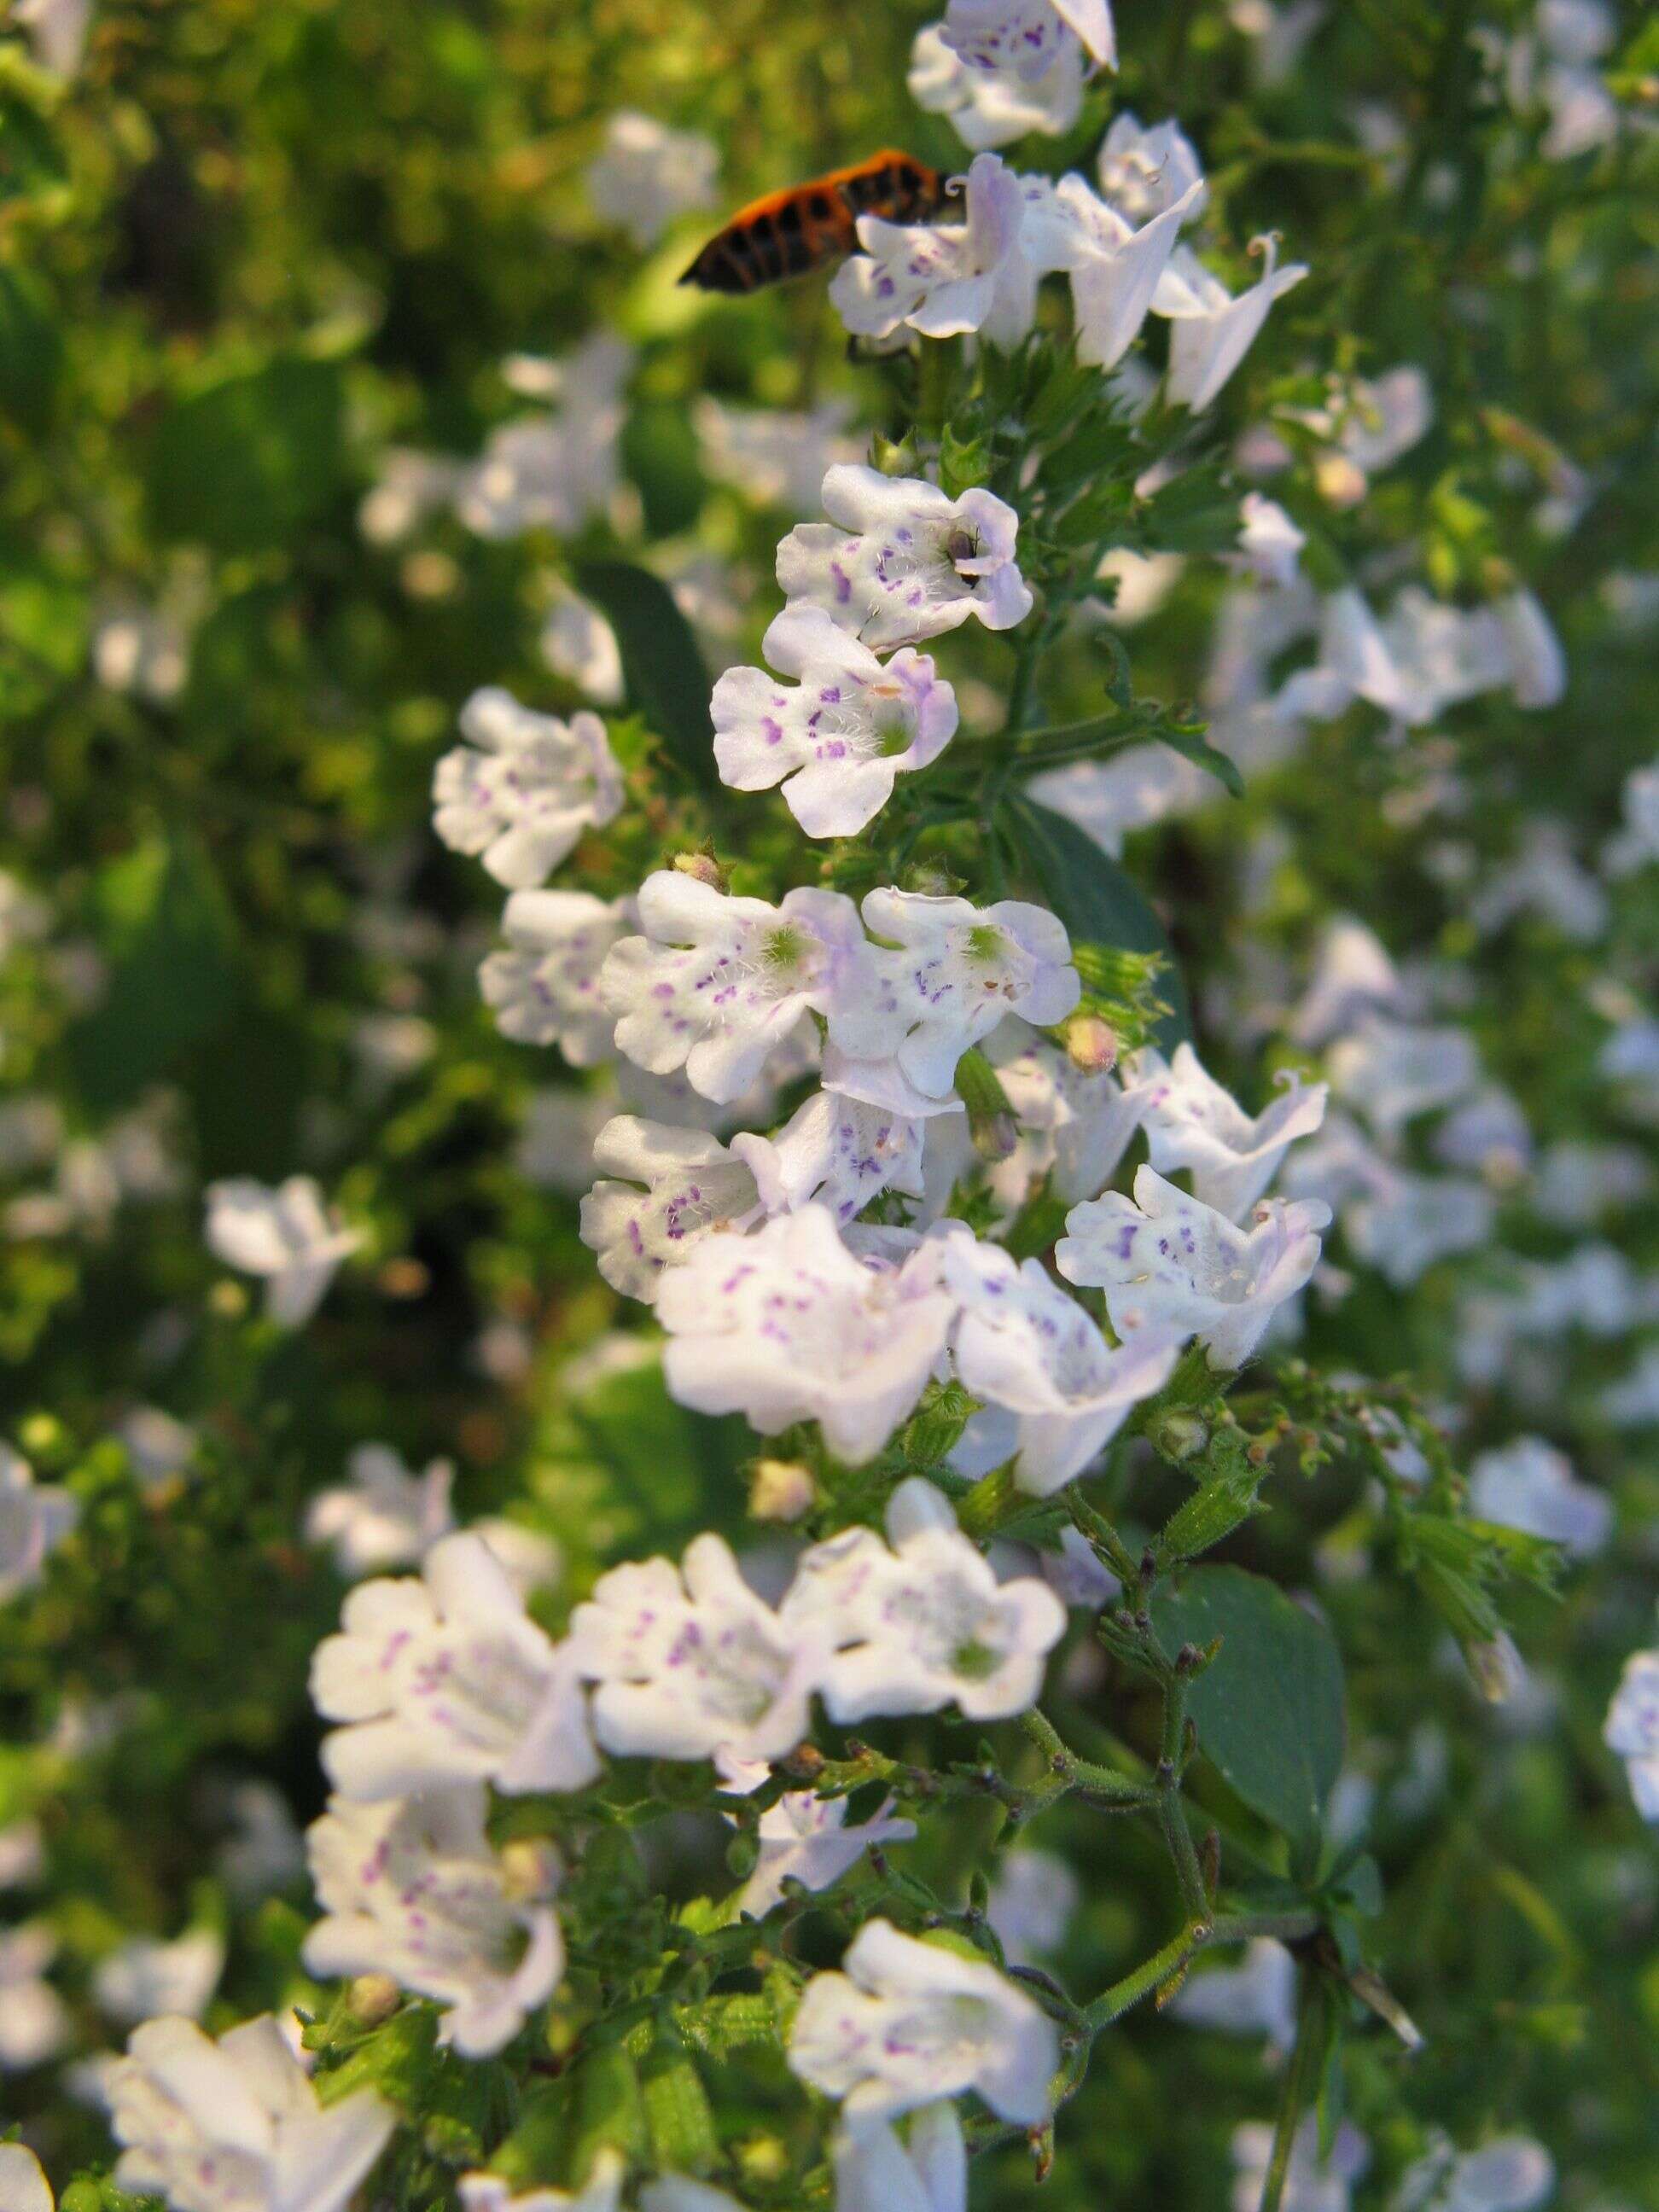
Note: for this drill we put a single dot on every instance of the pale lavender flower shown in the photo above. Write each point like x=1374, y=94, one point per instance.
x=899, y=562
x=1192, y=1121
x=664, y=1190
x=716, y=985
x=1022, y=38
x=1212, y=329
x=524, y=786
x=907, y=2022
x=544, y=986
x=839, y=737
x=787, y=1325
x=414, y=1891
x=446, y=1679
x=1173, y=1265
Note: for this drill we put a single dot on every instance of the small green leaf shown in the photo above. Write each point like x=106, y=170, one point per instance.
x=666, y=680
x=31, y=159
x=677, y=2112
x=1269, y=1711
x=609, y=2109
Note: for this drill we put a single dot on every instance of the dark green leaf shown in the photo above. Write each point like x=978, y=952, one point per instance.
x=31, y=350
x=1194, y=513
x=1269, y=1711
x=667, y=679
x=1095, y=899
x=168, y=939
x=242, y=466
x=31, y=160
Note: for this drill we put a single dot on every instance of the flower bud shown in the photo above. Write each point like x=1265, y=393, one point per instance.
x=1496, y=1666
x=741, y=1854
x=1178, y=1436
x=1340, y=482
x=1091, y=1044
x=701, y=867
x=779, y=1490
x=896, y=457
x=373, y=1998
x=531, y=1868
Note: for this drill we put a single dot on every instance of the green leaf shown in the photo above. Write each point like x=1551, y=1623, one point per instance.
x=1095, y=899
x=165, y=928
x=1269, y=1711
x=610, y=2112
x=667, y=679
x=31, y=159
x=31, y=350
x=1194, y=513
x=243, y=465
x=683, y=2137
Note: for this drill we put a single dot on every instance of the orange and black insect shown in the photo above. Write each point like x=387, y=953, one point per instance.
x=789, y=233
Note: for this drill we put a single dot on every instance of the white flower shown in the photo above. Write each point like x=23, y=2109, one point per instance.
x=384, y=1516
x=1537, y=665
x=786, y=1326
x=413, y=1890
x=1269, y=543
x=1169, y=1263
x=1145, y=173
x=1135, y=788
x=841, y=736
x=689, y=1661
x=803, y=1838
x=1313, y=2183
x=1530, y=1485
x=553, y=470
x=600, y=2192
x=1637, y=843
x=716, y=985
x=993, y=108
x=58, y=32
x=942, y=279
x=1255, y=1997
x=158, y=1447
x=1353, y=975
x=1115, y=268
x=578, y=643
x=1401, y=1224
x=35, y=2021
x=1075, y=1128
x=1511, y=2174
x=1031, y=1902
x=407, y=486
x=544, y=986
x=33, y=1523
x=22, y=1853
x=837, y=1152
x=1191, y=1122
x=1021, y=1344
x=772, y=457
x=1633, y=1403
x=922, y=1620
x=1633, y=1728
x=448, y=1679
x=944, y=976
x=235, y=2126
x=23, y=2186
x=898, y=562
x=1391, y=1071
x=143, y=1976
x=1022, y=37
x=1212, y=330
x=665, y=1189
x=142, y=650
x=647, y=174
x=524, y=787
x=264, y=1853
x=287, y=1235
x=926, y=2171
x=1546, y=879
x=906, y=2023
